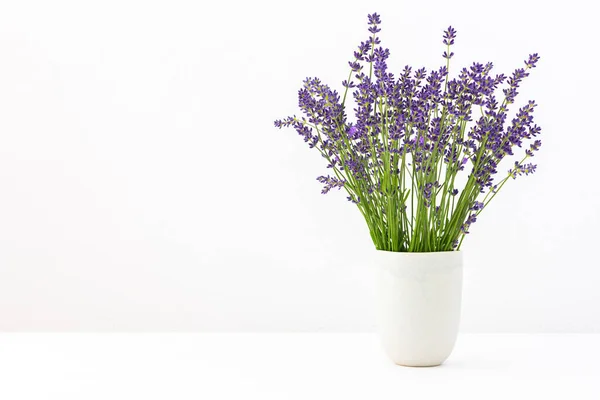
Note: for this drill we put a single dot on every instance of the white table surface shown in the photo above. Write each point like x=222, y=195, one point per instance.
x=280, y=366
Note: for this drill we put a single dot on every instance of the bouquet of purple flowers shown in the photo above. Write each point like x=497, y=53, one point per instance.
x=402, y=160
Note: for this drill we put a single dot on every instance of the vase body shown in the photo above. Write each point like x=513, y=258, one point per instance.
x=418, y=305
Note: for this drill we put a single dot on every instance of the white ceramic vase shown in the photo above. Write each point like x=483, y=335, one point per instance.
x=418, y=310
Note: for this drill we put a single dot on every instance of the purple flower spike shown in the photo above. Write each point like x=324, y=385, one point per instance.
x=533, y=59
x=352, y=132
x=374, y=19
x=330, y=183
x=449, y=36
x=477, y=205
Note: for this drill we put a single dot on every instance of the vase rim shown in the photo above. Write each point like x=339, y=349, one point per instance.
x=418, y=252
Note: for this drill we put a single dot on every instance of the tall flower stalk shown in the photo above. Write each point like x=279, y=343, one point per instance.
x=420, y=158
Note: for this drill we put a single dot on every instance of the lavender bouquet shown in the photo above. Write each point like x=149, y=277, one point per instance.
x=421, y=157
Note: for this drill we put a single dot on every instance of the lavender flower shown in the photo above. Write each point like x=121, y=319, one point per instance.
x=477, y=205
x=449, y=36
x=411, y=136
x=374, y=20
x=522, y=169
x=330, y=183
x=470, y=220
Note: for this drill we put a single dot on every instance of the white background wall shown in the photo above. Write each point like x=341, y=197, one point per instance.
x=143, y=186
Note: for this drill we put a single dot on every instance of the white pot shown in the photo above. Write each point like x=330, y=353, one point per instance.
x=418, y=310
